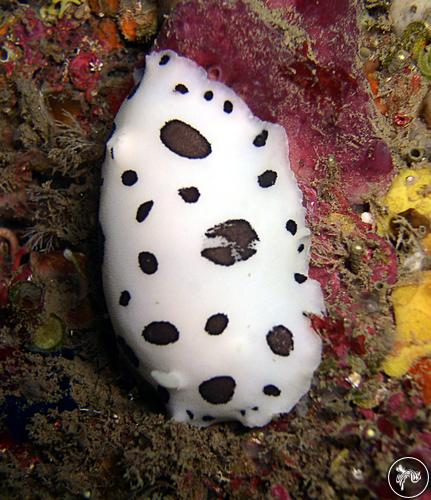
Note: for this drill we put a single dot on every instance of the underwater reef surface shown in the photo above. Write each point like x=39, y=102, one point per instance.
x=294, y=63
x=352, y=93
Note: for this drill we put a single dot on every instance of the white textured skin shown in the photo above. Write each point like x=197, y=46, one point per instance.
x=404, y=12
x=256, y=294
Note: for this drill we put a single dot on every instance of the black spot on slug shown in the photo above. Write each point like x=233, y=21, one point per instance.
x=300, y=278
x=271, y=390
x=260, y=139
x=129, y=177
x=238, y=242
x=189, y=194
x=208, y=418
x=227, y=107
x=208, y=95
x=184, y=140
x=280, y=340
x=291, y=226
x=216, y=324
x=143, y=210
x=148, y=262
x=182, y=89
x=101, y=238
x=111, y=132
x=160, y=333
x=133, y=91
x=218, y=390
x=164, y=60
x=124, y=298
x=267, y=179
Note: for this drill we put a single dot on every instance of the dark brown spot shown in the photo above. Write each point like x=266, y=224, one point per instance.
x=267, y=179
x=111, y=132
x=260, y=139
x=238, y=242
x=129, y=177
x=128, y=352
x=216, y=324
x=133, y=91
x=280, y=340
x=148, y=262
x=227, y=107
x=208, y=95
x=184, y=140
x=208, y=418
x=124, y=298
x=190, y=414
x=255, y=408
x=271, y=390
x=300, y=248
x=144, y=210
x=112, y=153
x=163, y=394
x=291, y=227
x=182, y=89
x=160, y=333
x=164, y=59
x=101, y=238
x=300, y=278
x=242, y=412
x=189, y=194
x=218, y=390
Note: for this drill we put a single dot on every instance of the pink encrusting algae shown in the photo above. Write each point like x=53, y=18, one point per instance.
x=304, y=79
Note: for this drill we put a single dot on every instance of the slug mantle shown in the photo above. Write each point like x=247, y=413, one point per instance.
x=206, y=250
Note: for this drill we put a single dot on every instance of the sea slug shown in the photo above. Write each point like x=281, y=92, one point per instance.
x=206, y=250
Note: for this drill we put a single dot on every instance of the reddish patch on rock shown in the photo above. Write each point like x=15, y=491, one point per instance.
x=84, y=72
x=421, y=372
x=308, y=84
x=22, y=453
x=386, y=427
x=401, y=120
x=279, y=492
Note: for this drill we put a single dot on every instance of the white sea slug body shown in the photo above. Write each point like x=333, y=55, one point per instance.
x=206, y=250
